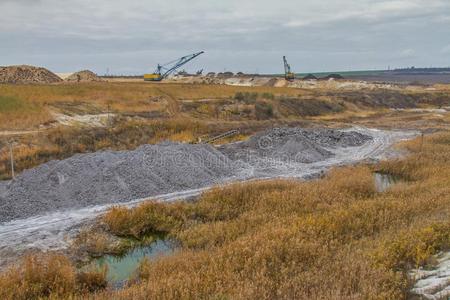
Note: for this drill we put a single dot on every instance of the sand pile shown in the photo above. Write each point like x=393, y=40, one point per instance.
x=272, y=82
x=83, y=76
x=27, y=74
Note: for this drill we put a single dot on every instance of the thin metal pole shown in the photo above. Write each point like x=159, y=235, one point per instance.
x=12, y=159
x=421, y=141
x=109, y=115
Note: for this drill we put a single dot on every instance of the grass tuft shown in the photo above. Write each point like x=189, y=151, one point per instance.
x=48, y=276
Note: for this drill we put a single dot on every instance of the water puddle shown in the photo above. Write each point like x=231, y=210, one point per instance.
x=384, y=181
x=120, y=268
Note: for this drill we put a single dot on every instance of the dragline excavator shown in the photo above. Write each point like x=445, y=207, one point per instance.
x=162, y=71
x=288, y=74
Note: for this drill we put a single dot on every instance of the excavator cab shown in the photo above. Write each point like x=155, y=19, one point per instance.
x=156, y=76
x=152, y=77
x=288, y=74
x=162, y=71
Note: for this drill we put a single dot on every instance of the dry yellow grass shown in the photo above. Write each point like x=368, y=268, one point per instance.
x=135, y=97
x=64, y=142
x=48, y=276
x=16, y=113
x=33, y=102
x=147, y=218
x=181, y=112
x=331, y=238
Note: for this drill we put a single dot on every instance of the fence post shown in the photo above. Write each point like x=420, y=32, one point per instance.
x=11, y=156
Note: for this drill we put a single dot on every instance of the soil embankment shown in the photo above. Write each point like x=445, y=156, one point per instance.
x=83, y=76
x=27, y=75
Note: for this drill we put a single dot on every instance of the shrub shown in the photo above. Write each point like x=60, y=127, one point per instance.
x=147, y=218
x=39, y=276
x=263, y=110
x=268, y=96
x=50, y=275
x=412, y=248
x=91, y=281
x=246, y=97
x=10, y=104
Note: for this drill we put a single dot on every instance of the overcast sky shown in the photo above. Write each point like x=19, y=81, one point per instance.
x=131, y=37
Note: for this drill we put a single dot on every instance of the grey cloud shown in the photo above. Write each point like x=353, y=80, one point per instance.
x=133, y=36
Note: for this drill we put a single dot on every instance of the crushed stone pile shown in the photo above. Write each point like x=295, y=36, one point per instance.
x=109, y=177
x=295, y=145
x=27, y=74
x=112, y=177
x=83, y=76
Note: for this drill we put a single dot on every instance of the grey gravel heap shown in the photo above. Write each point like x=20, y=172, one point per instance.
x=294, y=144
x=111, y=177
x=119, y=176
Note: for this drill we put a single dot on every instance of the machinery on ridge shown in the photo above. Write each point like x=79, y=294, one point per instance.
x=288, y=74
x=162, y=71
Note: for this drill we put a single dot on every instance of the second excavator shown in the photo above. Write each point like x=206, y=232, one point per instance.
x=288, y=74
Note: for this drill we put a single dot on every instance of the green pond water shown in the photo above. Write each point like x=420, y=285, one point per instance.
x=121, y=268
x=384, y=181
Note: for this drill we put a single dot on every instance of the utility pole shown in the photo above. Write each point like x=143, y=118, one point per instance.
x=109, y=118
x=11, y=156
x=421, y=141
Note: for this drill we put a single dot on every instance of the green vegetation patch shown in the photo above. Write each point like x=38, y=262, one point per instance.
x=309, y=107
x=11, y=104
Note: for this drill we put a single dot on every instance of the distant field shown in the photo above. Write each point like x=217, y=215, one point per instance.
x=405, y=78
x=25, y=107
x=395, y=76
x=346, y=73
x=145, y=113
x=28, y=106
